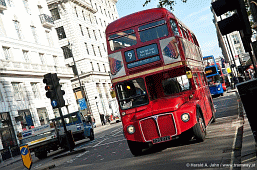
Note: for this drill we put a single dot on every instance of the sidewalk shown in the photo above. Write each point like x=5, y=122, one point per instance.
x=248, y=152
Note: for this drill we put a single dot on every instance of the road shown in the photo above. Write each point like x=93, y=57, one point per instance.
x=110, y=150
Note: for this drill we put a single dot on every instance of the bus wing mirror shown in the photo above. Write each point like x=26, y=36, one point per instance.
x=189, y=74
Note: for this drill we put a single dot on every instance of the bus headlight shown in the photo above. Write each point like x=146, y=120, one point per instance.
x=185, y=117
x=131, y=129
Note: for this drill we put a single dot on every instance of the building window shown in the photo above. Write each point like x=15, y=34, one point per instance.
x=101, y=9
x=66, y=52
x=99, y=51
x=88, y=32
x=17, y=28
x=94, y=34
x=43, y=116
x=26, y=56
x=87, y=48
x=90, y=18
x=76, y=11
x=35, y=90
x=7, y=53
x=98, y=66
x=83, y=15
x=239, y=50
x=7, y=134
x=96, y=20
x=100, y=34
x=104, y=47
x=17, y=91
x=26, y=5
x=27, y=121
x=81, y=30
x=104, y=68
x=55, y=14
x=100, y=22
x=235, y=39
x=49, y=38
x=60, y=32
x=42, y=58
x=93, y=49
x=96, y=7
x=92, y=66
x=33, y=29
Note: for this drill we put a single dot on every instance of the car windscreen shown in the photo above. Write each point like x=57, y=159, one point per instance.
x=132, y=93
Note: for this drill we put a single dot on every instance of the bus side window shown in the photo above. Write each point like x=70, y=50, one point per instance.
x=182, y=33
x=174, y=27
x=195, y=40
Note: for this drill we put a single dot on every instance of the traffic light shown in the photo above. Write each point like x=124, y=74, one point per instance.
x=54, y=91
x=237, y=22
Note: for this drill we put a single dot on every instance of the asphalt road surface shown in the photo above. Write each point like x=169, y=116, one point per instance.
x=109, y=150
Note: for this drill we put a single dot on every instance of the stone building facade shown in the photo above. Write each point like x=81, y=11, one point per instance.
x=28, y=49
x=80, y=26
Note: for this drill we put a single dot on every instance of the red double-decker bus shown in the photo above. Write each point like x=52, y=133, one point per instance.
x=158, y=76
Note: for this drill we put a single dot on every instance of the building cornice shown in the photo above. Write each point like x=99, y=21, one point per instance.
x=81, y=3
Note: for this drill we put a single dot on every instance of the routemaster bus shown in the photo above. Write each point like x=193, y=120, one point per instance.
x=158, y=75
x=213, y=76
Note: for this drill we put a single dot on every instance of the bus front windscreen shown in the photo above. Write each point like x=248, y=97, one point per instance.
x=132, y=93
x=122, y=40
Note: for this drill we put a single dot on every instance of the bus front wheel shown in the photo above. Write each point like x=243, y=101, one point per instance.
x=136, y=148
x=199, y=129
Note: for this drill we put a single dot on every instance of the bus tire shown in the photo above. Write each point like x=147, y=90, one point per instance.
x=199, y=129
x=136, y=148
x=92, y=135
x=41, y=155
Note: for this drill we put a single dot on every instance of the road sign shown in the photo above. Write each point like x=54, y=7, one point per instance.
x=82, y=104
x=26, y=156
x=54, y=103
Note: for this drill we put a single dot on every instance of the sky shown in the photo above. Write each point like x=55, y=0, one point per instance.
x=195, y=14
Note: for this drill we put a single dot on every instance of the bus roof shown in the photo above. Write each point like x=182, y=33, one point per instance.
x=134, y=19
x=137, y=18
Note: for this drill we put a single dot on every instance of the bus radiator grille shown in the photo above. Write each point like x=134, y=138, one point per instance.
x=151, y=129
x=166, y=125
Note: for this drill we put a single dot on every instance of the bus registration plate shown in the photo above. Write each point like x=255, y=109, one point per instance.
x=161, y=139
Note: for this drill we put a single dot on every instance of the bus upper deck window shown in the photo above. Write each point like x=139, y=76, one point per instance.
x=153, y=31
x=122, y=39
x=174, y=27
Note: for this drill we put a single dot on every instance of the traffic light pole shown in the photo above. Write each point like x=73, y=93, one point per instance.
x=65, y=130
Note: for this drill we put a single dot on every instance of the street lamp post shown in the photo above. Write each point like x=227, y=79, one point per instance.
x=80, y=85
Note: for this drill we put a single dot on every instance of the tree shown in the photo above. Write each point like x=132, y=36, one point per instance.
x=163, y=3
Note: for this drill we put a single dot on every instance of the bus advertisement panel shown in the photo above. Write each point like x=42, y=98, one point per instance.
x=214, y=78
x=158, y=76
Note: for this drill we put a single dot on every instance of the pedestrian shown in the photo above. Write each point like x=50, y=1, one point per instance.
x=102, y=119
x=107, y=117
